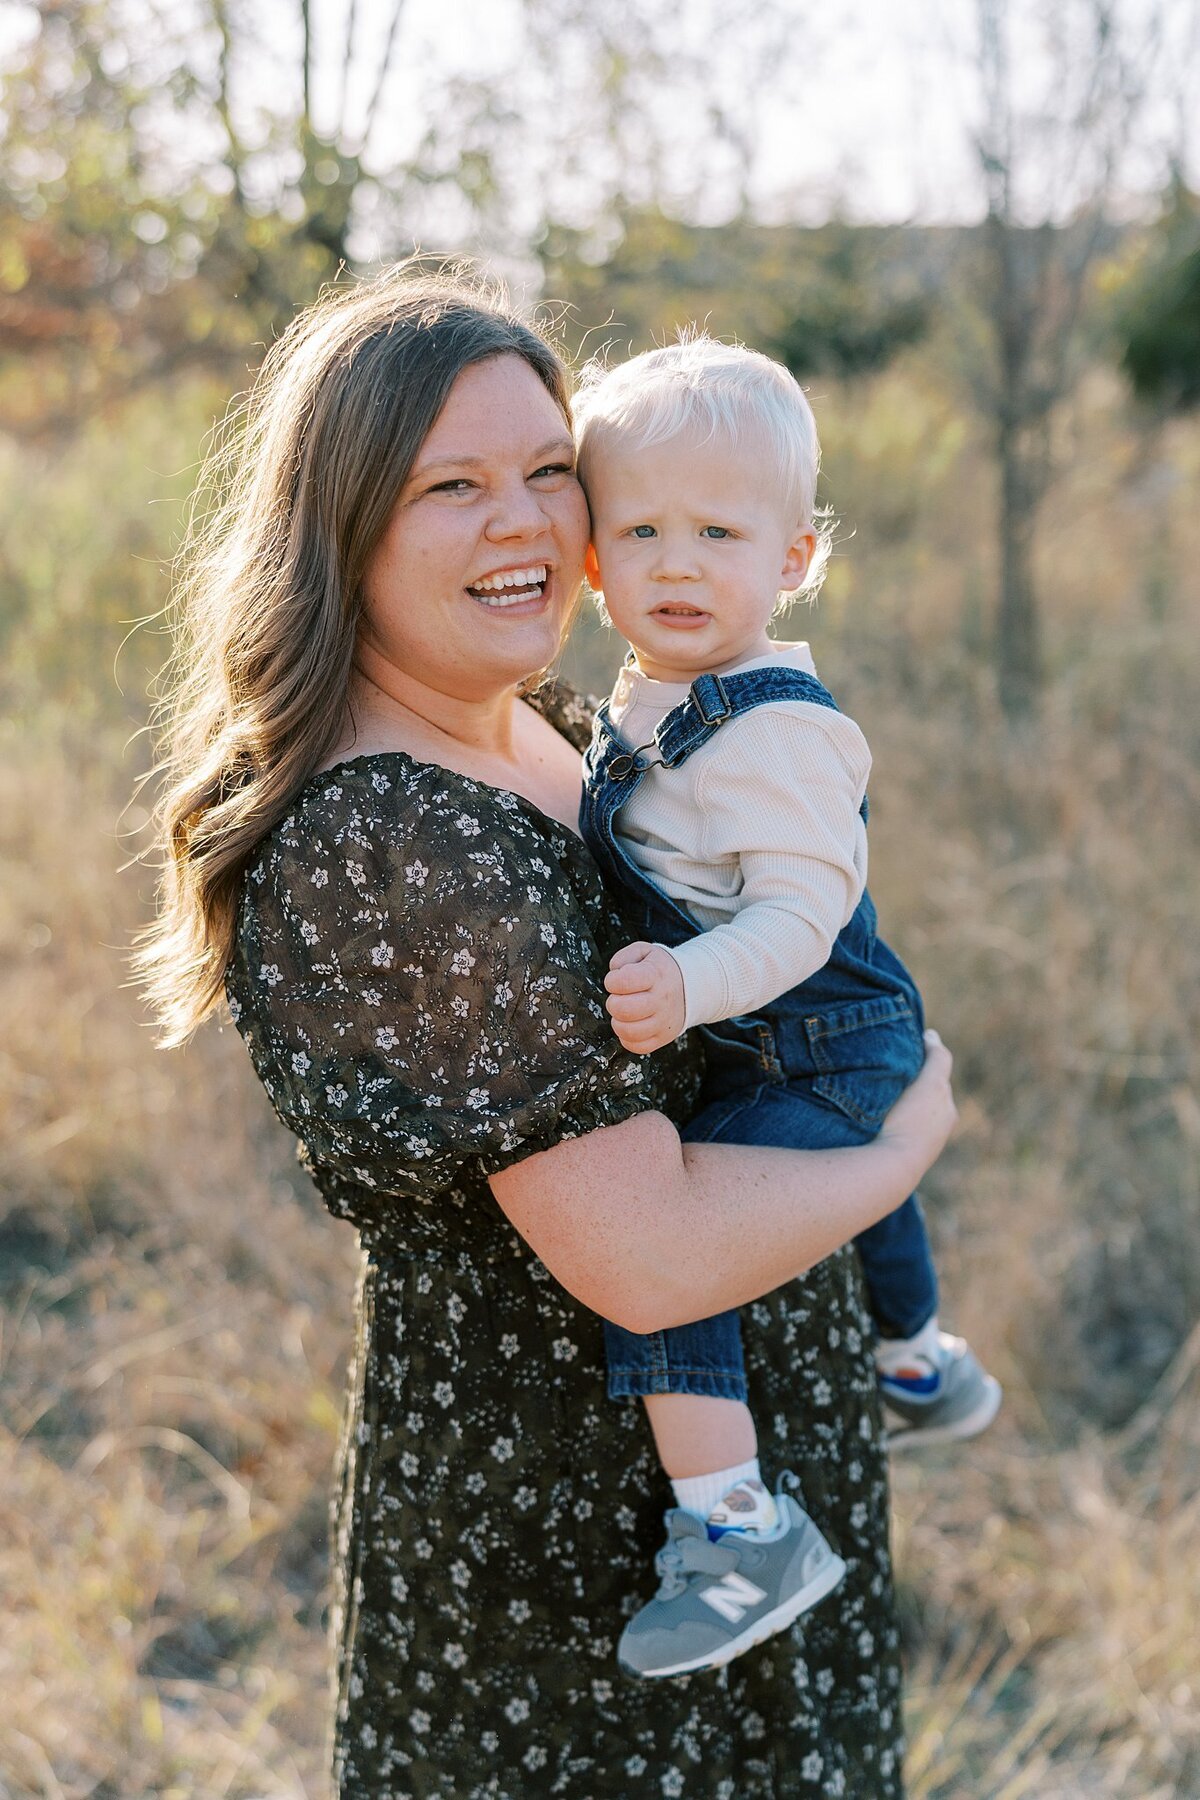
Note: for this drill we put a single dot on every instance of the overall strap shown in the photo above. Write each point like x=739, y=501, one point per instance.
x=714, y=698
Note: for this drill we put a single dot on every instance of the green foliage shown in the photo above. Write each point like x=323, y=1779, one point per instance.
x=88, y=527
x=130, y=254
x=833, y=299
x=1159, y=322
x=852, y=314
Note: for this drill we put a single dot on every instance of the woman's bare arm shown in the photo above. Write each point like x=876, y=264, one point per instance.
x=651, y=1232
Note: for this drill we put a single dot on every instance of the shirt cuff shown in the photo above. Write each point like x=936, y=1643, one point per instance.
x=706, y=998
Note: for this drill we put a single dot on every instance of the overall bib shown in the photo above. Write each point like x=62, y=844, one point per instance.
x=815, y=1069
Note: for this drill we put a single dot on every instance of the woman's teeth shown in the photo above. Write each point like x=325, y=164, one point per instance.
x=510, y=586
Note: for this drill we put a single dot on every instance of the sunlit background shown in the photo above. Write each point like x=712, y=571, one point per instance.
x=971, y=227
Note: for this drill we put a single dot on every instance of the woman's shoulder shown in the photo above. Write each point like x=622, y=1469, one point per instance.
x=383, y=803
x=384, y=836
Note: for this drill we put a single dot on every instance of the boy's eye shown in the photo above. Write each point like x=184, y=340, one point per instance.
x=643, y=531
x=715, y=531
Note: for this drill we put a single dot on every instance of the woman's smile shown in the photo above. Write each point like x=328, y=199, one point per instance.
x=509, y=588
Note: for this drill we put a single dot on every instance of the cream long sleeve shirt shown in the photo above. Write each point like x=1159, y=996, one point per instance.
x=758, y=835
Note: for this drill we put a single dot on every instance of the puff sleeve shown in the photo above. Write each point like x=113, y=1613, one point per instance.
x=419, y=980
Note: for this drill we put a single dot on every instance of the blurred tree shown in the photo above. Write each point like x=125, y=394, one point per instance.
x=1050, y=155
x=1159, y=317
x=852, y=310
x=173, y=185
x=133, y=247
x=839, y=299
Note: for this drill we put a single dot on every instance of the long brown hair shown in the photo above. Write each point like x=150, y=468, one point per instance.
x=291, y=502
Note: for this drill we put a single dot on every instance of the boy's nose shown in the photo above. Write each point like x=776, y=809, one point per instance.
x=674, y=564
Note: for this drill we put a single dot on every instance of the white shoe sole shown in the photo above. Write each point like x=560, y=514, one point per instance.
x=823, y=1582
x=903, y=1436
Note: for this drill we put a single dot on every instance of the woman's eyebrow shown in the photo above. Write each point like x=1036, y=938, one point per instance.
x=467, y=461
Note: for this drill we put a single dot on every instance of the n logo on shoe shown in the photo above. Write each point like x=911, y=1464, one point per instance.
x=732, y=1596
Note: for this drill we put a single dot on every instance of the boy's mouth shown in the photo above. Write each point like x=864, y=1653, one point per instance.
x=677, y=612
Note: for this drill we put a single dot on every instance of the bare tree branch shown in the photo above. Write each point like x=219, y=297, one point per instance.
x=347, y=56
x=385, y=67
x=235, y=158
x=306, y=67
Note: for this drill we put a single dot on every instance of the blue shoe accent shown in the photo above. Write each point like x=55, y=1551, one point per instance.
x=922, y=1386
x=957, y=1399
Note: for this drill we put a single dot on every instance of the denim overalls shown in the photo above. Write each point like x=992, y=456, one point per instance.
x=815, y=1069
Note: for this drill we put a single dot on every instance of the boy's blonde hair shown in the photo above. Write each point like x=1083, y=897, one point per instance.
x=699, y=385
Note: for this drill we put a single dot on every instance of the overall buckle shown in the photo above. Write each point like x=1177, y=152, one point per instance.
x=710, y=699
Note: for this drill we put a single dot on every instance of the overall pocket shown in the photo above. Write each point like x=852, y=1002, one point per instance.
x=865, y=1055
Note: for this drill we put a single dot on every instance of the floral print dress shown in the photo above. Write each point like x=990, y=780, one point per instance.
x=417, y=976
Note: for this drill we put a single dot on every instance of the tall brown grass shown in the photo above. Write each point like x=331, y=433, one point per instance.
x=176, y=1305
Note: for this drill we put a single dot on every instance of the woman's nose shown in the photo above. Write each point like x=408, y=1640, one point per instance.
x=518, y=513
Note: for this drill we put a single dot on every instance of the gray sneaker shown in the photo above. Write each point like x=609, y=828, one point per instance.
x=938, y=1399
x=719, y=1598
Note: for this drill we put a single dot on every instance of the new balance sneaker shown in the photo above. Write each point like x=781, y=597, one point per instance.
x=934, y=1390
x=718, y=1598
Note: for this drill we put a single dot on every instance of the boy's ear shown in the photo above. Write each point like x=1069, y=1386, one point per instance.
x=795, y=563
x=591, y=568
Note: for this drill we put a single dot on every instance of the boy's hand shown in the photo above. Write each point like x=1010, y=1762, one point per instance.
x=646, y=1002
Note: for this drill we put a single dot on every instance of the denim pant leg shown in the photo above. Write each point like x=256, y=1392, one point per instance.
x=704, y=1358
x=896, y=1258
x=898, y=1270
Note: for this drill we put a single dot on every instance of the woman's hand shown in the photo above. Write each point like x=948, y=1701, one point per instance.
x=924, y=1116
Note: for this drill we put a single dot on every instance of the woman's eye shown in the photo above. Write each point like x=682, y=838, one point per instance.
x=459, y=485
x=642, y=531
x=715, y=531
x=554, y=469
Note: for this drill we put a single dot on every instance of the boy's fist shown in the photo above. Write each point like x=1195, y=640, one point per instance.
x=645, y=997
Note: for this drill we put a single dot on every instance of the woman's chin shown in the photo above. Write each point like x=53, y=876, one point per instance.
x=521, y=639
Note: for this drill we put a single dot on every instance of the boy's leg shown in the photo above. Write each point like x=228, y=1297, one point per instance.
x=693, y=1384
x=898, y=1270
x=739, y=1565
x=696, y=1434
x=933, y=1387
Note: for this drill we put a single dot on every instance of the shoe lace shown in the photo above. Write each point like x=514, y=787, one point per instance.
x=681, y=1558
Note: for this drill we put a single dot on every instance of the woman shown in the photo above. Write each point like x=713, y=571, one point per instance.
x=371, y=843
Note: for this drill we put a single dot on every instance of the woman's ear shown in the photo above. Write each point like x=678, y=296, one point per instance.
x=795, y=563
x=591, y=568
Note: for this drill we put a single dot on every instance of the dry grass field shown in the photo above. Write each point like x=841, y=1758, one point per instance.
x=176, y=1304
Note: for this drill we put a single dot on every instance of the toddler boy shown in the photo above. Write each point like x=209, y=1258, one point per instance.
x=726, y=791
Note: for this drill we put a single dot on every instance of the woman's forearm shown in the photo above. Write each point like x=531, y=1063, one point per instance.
x=651, y=1233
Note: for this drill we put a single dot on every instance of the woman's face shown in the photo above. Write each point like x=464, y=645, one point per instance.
x=471, y=587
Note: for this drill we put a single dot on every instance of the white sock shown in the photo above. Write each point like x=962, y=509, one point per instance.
x=698, y=1494
x=893, y=1353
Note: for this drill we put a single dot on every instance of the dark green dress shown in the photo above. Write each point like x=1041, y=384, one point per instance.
x=417, y=976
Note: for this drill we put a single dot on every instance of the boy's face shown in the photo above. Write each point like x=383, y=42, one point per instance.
x=691, y=545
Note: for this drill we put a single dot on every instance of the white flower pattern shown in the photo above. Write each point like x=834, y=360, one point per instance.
x=496, y=1514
